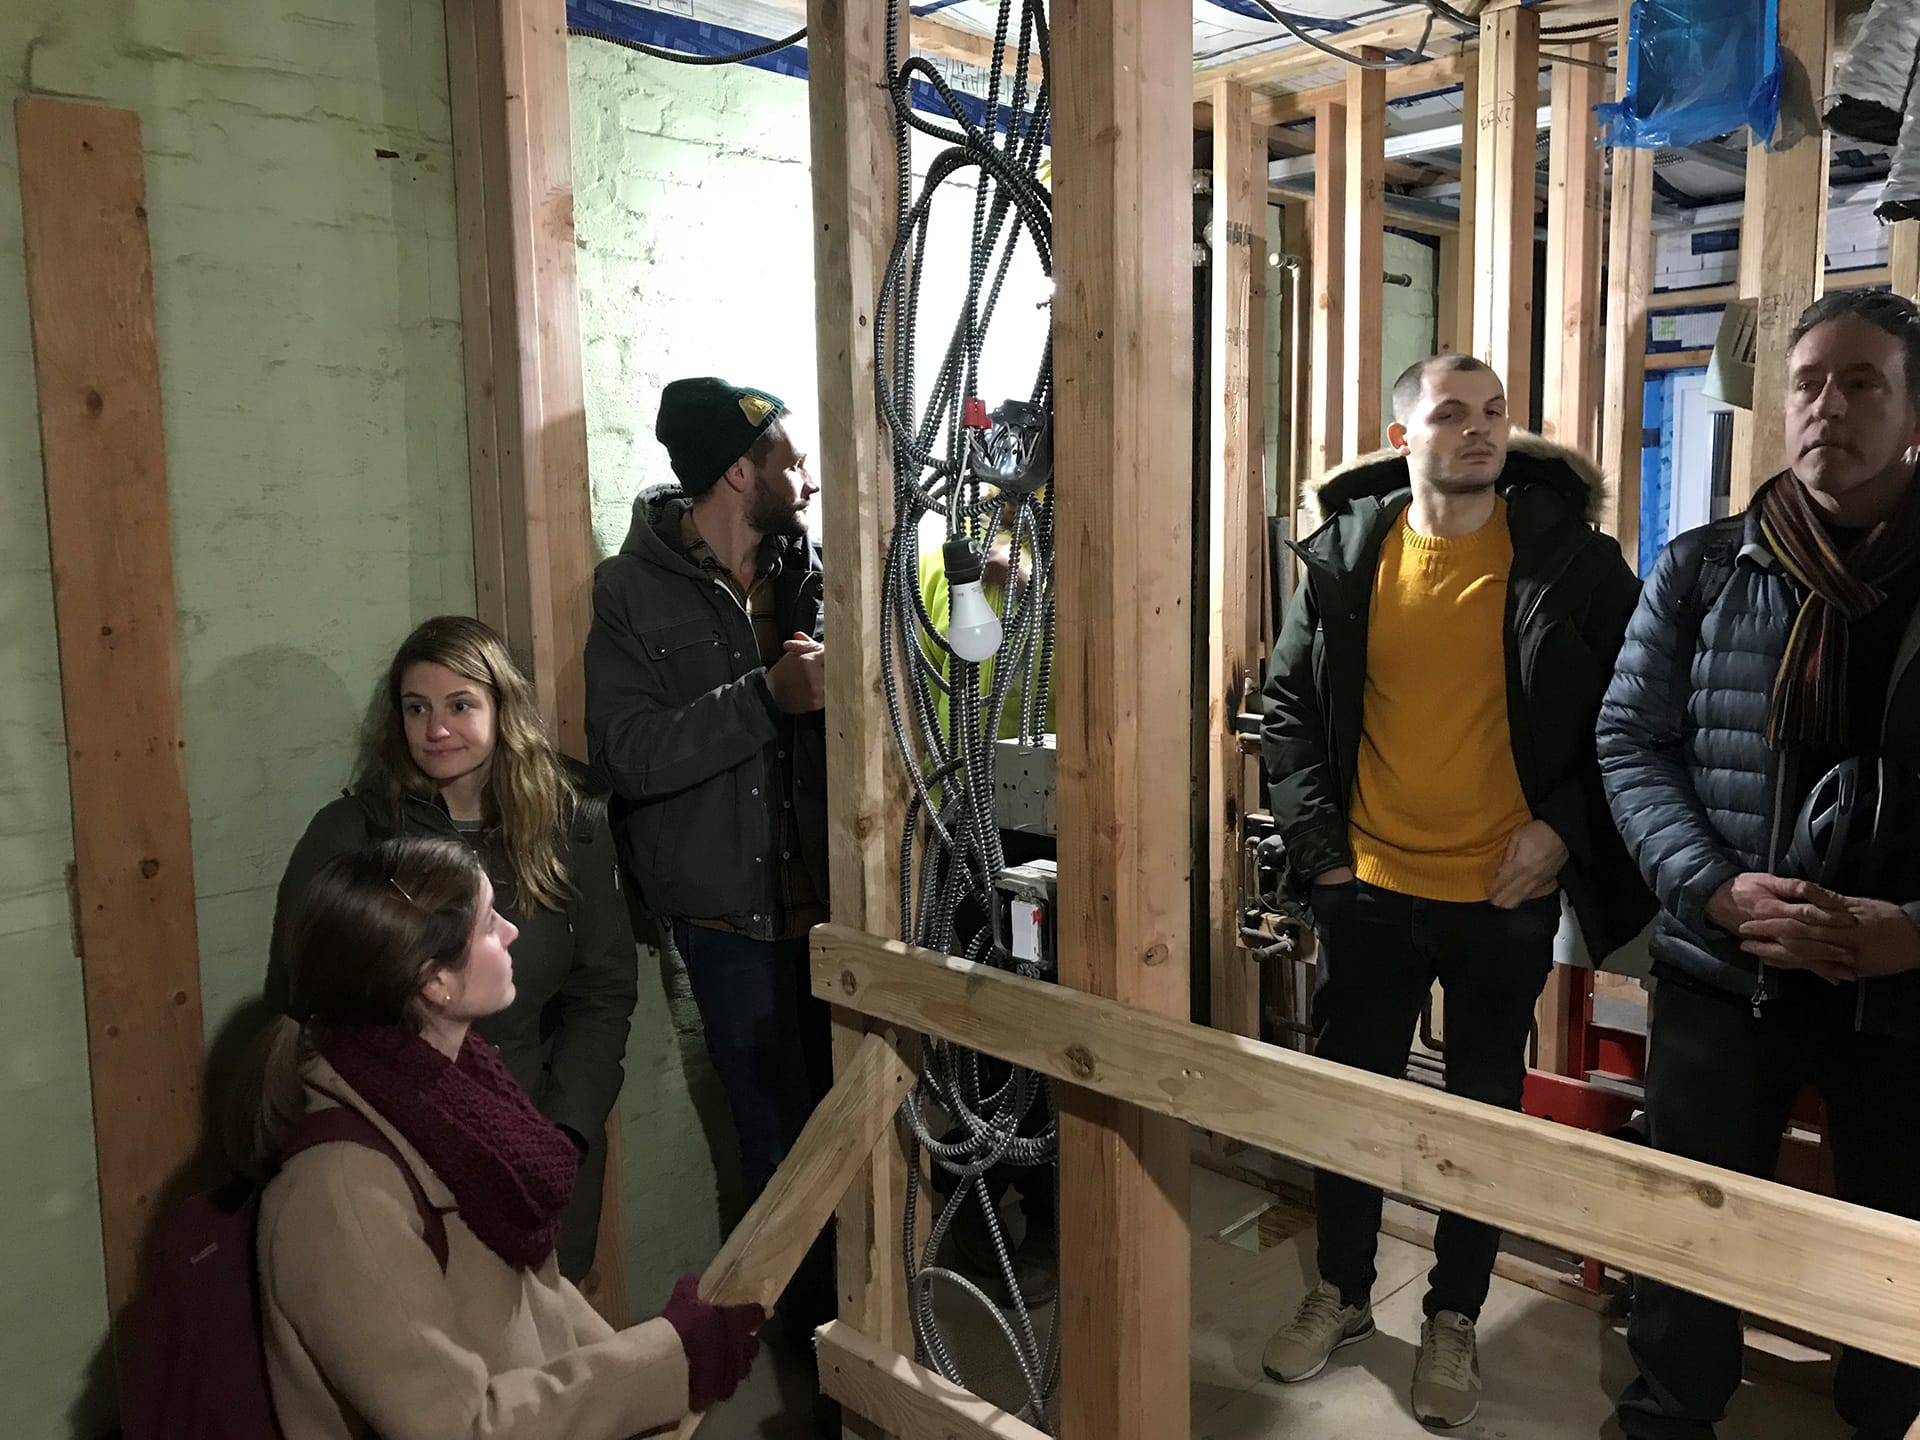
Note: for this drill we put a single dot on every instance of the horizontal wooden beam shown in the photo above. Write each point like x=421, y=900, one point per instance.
x=767, y=1246
x=904, y=1398
x=952, y=42
x=1397, y=32
x=1401, y=81
x=1838, y=1270
x=1677, y=359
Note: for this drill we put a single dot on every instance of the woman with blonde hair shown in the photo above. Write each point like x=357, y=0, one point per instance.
x=412, y=1292
x=454, y=748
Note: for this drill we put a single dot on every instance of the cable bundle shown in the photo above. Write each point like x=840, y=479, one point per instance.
x=993, y=1115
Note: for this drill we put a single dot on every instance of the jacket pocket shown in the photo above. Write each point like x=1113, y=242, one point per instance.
x=693, y=653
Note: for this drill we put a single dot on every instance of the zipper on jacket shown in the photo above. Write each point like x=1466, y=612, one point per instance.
x=1762, y=992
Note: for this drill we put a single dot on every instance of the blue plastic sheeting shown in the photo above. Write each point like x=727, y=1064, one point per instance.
x=1697, y=69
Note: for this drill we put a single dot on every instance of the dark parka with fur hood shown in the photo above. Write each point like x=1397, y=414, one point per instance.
x=1569, y=596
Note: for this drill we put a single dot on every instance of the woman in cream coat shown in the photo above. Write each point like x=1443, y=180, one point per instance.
x=396, y=952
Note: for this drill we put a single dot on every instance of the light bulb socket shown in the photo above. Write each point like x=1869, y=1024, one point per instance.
x=964, y=563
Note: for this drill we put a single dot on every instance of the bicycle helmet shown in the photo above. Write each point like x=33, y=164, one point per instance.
x=1859, y=831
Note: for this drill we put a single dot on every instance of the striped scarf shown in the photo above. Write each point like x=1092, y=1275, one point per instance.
x=1810, y=692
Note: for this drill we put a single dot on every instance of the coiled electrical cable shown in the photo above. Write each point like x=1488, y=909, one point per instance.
x=967, y=1116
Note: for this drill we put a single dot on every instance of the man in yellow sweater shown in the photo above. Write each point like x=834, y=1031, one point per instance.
x=1430, y=740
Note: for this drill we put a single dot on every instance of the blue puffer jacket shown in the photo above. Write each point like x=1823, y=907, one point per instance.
x=1696, y=791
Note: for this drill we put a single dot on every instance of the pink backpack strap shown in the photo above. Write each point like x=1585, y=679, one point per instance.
x=342, y=1124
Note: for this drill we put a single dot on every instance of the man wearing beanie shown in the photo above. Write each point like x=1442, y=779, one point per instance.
x=705, y=686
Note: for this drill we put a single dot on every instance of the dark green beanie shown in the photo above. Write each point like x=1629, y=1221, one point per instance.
x=707, y=424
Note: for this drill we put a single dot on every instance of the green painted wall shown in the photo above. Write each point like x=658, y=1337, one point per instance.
x=307, y=308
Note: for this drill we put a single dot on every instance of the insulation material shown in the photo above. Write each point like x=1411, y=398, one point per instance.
x=1696, y=70
x=1876, y=78
x=1901, y=199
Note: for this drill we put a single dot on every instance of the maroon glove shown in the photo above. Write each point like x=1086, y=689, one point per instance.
x=720, y=1341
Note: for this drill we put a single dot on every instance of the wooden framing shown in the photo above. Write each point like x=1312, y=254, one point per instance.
x=1465, y=259
x=1504, y=203
x=1397, y=32
x=1238, y=313
x=526, y=414
x=760, y=1257
x=1401, y=81
x=1903, y=259
x=83, y=196
x=854, y=199
x=1326, y=369
x=1629, y=278
x=1789, y=225
x=1366, y=216
x=870, y=1380
x=1660, y=360
x=1123, y=341
x=1837, y=1270
x=1576, y=201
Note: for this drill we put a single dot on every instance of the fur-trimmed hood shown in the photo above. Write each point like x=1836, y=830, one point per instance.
x=1531, y=460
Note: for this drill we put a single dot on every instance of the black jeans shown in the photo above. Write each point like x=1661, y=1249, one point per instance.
x=1720, y=1087
x=771, y=1042
x=1380, y=953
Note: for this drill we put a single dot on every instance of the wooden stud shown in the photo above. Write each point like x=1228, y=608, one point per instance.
x=1575, y=203
x=1238, y=446
x=1365, y=313
x=854, y=198
x=1792, y=224
x=1327, y=366
x=906, y=1398
x=1747, y=285
x=1463, y=275
x=1903, y=258
x=526, y=416
x=766, y=1247
x=1123, y=329
x=1837, y=1270
x=83, y=210
x=1300, y=332
x=1446, y=295
x=1504, y=203
x=1629, y=278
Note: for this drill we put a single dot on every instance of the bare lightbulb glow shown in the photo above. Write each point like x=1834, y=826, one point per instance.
x=973, y=630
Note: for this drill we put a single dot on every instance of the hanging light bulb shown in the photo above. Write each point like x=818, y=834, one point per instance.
x=973, y=630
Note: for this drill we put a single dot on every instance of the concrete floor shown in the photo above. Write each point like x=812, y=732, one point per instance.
x=1551, y=1368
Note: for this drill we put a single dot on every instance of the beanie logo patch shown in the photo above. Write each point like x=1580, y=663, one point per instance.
x=755, y=409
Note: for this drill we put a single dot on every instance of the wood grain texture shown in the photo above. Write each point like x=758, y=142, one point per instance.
x=1504, y=201
x=854, y=200
x=1234, y=579
x=1834, y=1269
x=1576, y=206
x=83, y=204
x=1397, y=32
x=1401, y=81
x=1903, y=258
x=1792, y=230
x=1123, y=330
x=905, y=1399
x=1327, y=368
x=1364, y=317
x=767, y=1246
x=1629, y=279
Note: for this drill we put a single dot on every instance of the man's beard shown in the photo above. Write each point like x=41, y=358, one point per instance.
x=770, y=514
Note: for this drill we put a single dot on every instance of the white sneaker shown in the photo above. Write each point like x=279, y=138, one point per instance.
x=1446, y=1377
x=1301, y=1348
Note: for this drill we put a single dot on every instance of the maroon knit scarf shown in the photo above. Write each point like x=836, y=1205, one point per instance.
x=511, y=1170
x=1810, y=692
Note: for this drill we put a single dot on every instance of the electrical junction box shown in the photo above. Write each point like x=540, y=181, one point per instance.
x=1023, y=786
x=1024, y=899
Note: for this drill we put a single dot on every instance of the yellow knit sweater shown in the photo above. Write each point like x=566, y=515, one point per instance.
x=1436, y=796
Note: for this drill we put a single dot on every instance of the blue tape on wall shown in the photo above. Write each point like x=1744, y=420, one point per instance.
x=699, y=37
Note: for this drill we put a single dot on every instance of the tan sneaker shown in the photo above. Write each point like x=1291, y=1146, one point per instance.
x=1446, y=1377
x=1301, y=1348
